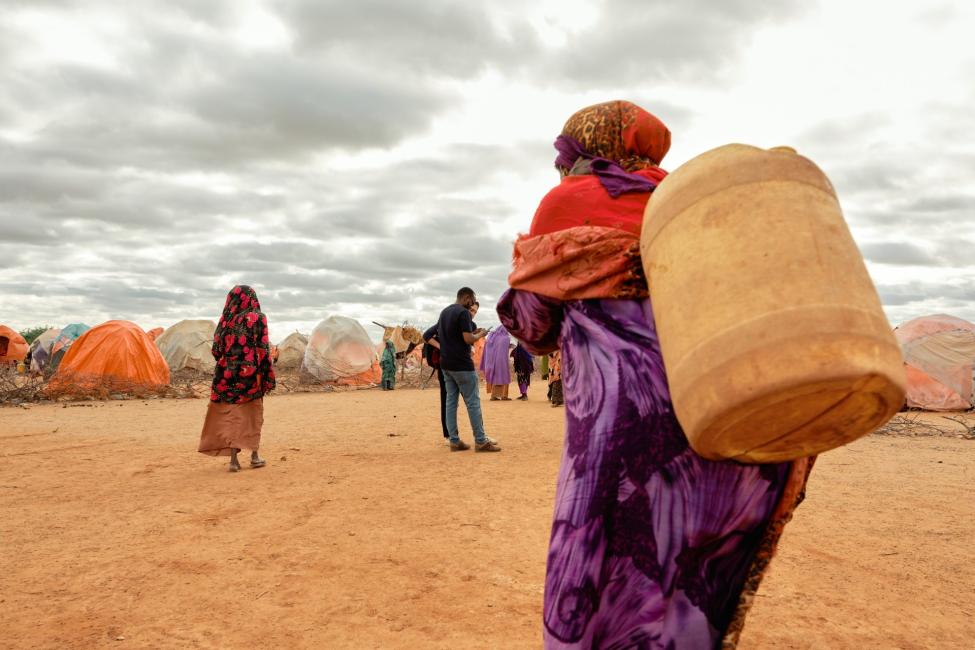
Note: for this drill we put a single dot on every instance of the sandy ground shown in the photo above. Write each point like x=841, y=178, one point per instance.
x=365, y=532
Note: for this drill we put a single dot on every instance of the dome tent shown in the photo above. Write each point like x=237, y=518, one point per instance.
x=65, y=339
x=187, y=345
x=13, y=346
x=117, y=353
x=291, y=351
x=339, y=349
x=939, y=352
x=40, y=349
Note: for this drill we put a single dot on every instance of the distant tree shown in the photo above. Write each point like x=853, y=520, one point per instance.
x=32, y=333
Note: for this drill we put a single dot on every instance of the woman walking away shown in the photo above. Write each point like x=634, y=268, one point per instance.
x=651, y=545
x=524, y=367
x=242, y=377
x=555, y=379
x=494, y=363
x=388, y=364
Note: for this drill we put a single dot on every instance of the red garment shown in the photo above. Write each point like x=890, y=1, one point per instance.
x=583, y=243
x=582, y=201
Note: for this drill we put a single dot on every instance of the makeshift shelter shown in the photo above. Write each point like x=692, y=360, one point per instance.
x=291, y=351
x=187, y=344
x=404, y=337
x=13, y=346
x=939, y=351
x=155, y=332
x=40, y=349
x=65, y=339
x=340, y=349
x=118, y=354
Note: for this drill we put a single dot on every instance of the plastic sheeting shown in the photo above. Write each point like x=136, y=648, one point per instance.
x=187, y=344
x=13, y=346
x=68, y=335
x=940, y=354
x=403, y=337
x=291, y=351
x=118, y=349
x=338, y=348
x=40, y=349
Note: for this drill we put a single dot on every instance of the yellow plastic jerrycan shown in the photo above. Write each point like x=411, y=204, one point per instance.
x=772, y=333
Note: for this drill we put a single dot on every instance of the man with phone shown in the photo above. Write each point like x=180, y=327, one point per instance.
x=456, y=334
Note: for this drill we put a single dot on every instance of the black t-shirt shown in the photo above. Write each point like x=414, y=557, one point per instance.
x=455, y=354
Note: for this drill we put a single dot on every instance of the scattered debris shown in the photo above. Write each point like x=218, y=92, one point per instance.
x=913, y=425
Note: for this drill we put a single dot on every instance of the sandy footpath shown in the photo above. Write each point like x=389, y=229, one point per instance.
x=365, y=532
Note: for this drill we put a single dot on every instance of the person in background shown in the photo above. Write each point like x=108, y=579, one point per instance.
x=494, y=364
x=388, y=364
x=243, y=376
x=524, y=367
x=555, y=379
x=431, y=352
x=456, y=334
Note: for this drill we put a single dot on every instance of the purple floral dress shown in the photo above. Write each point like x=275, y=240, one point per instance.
x=651, y=543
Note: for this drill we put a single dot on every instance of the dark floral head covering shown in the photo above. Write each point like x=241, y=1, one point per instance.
x=242, y=350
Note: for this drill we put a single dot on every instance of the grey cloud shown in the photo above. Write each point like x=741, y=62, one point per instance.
x=960, y=293
x=635, y=40
x=898, y=253
x=438, y=38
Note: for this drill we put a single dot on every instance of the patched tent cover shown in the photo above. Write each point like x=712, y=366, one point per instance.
x=940, y=354
x=291, y=351
x=338, y=348
x=13, y=346
x=40, y=349
x=187, y=344
x=119, y=350
x=404, y=337
x=65, y=339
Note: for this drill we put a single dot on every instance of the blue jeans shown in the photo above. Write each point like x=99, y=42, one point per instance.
x=463, y=382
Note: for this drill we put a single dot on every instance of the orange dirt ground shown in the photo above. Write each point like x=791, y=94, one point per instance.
x=365, y=532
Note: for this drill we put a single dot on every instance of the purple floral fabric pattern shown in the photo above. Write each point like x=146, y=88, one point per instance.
x=651, y=543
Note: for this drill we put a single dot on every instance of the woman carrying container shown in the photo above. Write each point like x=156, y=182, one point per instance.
x=651, y=545
x=242, y=377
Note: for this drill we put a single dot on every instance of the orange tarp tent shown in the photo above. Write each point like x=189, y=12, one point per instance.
x=13, y=346
x=118, y=350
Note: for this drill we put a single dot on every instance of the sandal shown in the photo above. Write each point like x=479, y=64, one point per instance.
x=260, y=462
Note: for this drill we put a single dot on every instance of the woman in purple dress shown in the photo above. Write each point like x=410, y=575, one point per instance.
x=652, y=546
x=494, y=364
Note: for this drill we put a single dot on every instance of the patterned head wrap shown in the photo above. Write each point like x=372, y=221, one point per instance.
x=612, y=140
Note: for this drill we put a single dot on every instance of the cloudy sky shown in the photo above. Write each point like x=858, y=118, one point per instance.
x=368, y=158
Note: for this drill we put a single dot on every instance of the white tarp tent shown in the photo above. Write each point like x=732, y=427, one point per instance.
x=186, y=345
x=339, y=347
x=939, y=351
x=291, y=351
